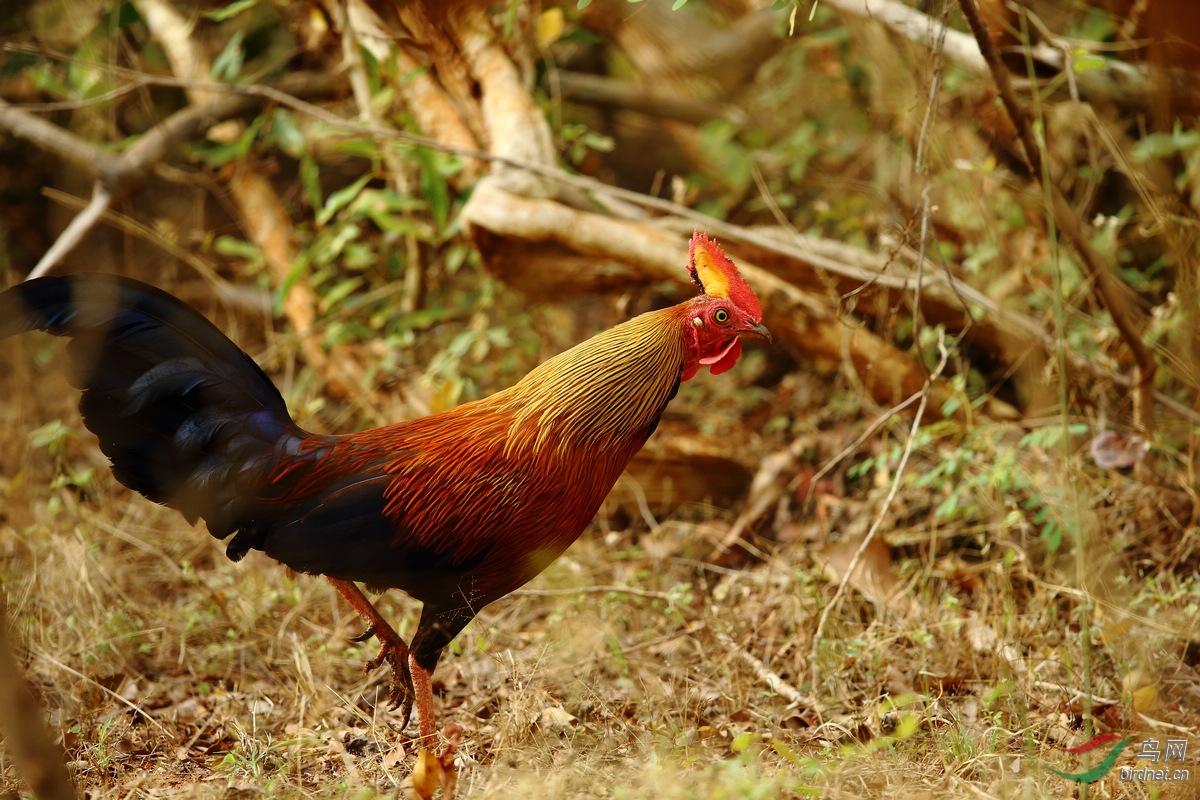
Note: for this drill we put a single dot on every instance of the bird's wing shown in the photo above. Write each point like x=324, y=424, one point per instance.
x=345, y=531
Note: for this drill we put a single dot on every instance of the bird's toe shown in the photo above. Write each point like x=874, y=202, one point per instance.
x=362, y=637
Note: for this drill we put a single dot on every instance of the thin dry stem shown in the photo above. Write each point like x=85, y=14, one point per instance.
x=1111, y=293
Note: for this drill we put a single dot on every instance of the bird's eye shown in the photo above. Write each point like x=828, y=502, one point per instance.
x=721, y=316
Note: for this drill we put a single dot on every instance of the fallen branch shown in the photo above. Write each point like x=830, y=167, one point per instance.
x=116, y=176
x=799, y=319
x=1128, y=86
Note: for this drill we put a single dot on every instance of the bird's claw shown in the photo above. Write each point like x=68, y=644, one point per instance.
x=401, y=694
x=362, y=637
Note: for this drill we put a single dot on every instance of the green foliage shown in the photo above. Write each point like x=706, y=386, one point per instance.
x=230, y=11
x=1154, y=146
x=577, y=139
x=974, y=472
x=53, y=436
x=227, y=66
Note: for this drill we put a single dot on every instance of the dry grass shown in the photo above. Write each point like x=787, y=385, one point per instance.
x=169, y=670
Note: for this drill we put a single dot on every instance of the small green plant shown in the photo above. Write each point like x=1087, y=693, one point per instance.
x=973, y=467
x=252, y=757
x=54, y=437
x=578, y=139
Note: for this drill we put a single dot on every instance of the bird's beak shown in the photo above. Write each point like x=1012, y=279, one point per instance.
x=758, y=330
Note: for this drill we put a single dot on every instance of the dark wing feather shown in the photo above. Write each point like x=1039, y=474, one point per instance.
x=345, y=531
x=185, y=417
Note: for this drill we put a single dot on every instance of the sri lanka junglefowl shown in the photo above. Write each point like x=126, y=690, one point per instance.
x=456, y=509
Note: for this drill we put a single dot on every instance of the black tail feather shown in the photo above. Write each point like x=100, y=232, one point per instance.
x=185, y=417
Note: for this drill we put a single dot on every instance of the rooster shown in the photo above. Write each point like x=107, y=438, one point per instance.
x=457, y=509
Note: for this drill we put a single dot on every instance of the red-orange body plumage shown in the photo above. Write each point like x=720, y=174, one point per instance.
x=457, y=509
x=481, y=498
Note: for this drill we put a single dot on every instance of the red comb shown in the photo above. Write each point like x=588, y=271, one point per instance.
x=717, y=276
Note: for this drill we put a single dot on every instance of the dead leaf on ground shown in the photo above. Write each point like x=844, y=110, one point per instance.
x=873, y=578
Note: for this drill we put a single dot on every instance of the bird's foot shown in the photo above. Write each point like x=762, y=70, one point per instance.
x=392, y=648
x=394, y=652
x=432, y=771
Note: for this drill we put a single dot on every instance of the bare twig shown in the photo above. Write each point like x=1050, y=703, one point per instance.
x=74, y=150
x=920, y=28
x=1127, y=85
x=225, y=290
x=83, y=222
x=116, y=176
x=875, y=425
x=772, y=679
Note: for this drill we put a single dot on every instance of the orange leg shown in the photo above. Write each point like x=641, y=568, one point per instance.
x=392, y=649
x=410, y=684
x=432, y=771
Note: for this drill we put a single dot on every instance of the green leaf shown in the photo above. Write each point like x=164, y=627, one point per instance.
x=742, y=741
x=678, y=4
x=339, y=292
x=237, y=248
x=310, y=178
x=287, y=133
x=327, y=248
x=434, y=188
x=228, y=65
x=342, y=198
x=53, y=436
x=1083, y=61
x=230, y=11
x=455, y=258
x=363, y=148
x=584, y=4
x=388, y=208
x=423, y=318
x=1165, y=145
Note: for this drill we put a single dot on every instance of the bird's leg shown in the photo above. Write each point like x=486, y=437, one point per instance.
x=392, y=649
x=432, y=770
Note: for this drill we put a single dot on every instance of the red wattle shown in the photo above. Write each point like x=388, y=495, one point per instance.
x=727, y=359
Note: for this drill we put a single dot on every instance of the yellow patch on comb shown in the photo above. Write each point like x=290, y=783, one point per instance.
x=717, y=276
x=712, y=278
